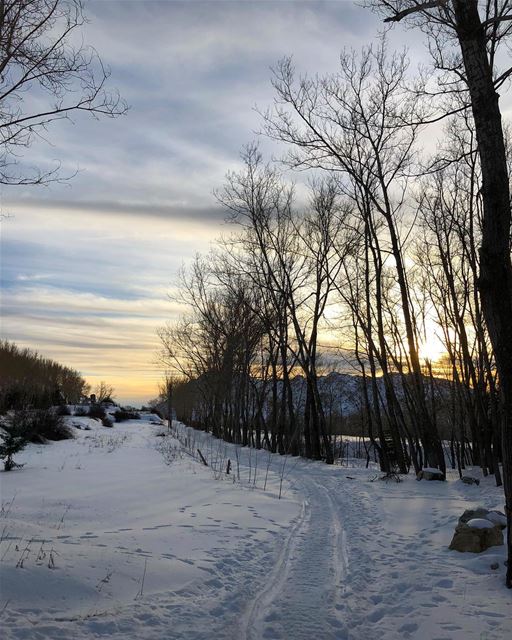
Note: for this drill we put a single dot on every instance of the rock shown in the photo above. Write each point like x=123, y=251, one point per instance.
x=471, y=514
x=497, y=518
x=430, y=474
x=478, y=538
x=470, y=480
x=495, y=565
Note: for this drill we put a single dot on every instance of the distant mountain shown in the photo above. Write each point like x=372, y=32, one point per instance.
x=342, y=393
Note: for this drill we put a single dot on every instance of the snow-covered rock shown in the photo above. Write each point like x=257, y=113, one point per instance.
x=477, y=530
x=497, y=518
x=492, y=515
x=429, y=473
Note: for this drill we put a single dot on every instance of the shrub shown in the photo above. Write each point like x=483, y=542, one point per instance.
x=107, y=422
x=14, y=438
x=97, y=411
x=81, y=412
x=46, y=424
x=121, y=415
x=64, y=410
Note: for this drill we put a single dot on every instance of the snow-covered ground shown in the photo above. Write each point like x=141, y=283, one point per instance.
x=121, y=533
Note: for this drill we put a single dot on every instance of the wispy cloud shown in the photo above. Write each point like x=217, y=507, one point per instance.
x=32, y=277
x=211, y=214
x=86, y=267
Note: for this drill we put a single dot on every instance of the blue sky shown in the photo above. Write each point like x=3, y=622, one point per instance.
x=87, y=265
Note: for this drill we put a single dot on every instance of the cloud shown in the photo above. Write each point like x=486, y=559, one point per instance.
x=32, y=277
x=192, y=73
x=90, y=287
x=87, y=265
x=212, y=214
x=102, y=337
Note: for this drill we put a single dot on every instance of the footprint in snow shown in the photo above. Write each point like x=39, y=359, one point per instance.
x=446, y=583
x=376, y=615
x=408, y=627
x=438, y=598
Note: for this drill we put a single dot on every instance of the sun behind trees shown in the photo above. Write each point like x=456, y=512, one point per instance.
x=388, y=238
x=466, y=39
x=295, y=262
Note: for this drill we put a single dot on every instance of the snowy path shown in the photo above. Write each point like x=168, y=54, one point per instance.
x=369, y=561
x=307, y=577
x=150, y=544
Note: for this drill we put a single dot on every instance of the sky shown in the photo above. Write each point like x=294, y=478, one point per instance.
x=88, y=266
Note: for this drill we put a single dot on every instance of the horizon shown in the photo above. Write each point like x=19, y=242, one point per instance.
x=90, y=264
x=87, y=265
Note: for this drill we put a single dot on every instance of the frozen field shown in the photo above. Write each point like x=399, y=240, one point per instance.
x=121, y=533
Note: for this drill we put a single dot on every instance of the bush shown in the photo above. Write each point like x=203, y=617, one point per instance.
x=64, y=410
x=97, y=411
x=107, y=422
x=121, y=415
x=14, y=438
x=81, y=412
x=46, y=424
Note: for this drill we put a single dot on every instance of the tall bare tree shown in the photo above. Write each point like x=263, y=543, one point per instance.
x=464, y=39
x=353, y=124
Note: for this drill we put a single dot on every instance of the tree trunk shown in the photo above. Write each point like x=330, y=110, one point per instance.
x=495, y=266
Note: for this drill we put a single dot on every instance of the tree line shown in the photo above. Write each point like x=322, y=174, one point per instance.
x=386, y=236
x=375, y=250
x=29, y=380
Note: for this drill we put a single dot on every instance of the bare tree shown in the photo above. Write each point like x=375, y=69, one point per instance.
x=300, y=253
x=104, y=392
x=353, y=124
x=473, y=31
x=40, y=60
x=215, y=346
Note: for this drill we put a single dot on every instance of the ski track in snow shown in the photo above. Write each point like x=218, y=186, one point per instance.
x=338, y=558
x=307, y=576
x=253, y=619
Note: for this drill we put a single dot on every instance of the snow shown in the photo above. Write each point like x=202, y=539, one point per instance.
x=121, y=533
x=480, y=523
x=497, y=518
x=433, y=470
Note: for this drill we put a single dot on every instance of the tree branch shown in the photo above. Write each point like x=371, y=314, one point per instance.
x=400, y=15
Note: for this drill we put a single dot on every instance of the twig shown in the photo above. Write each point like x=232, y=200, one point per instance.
x=202, y=458
x=141, y=590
